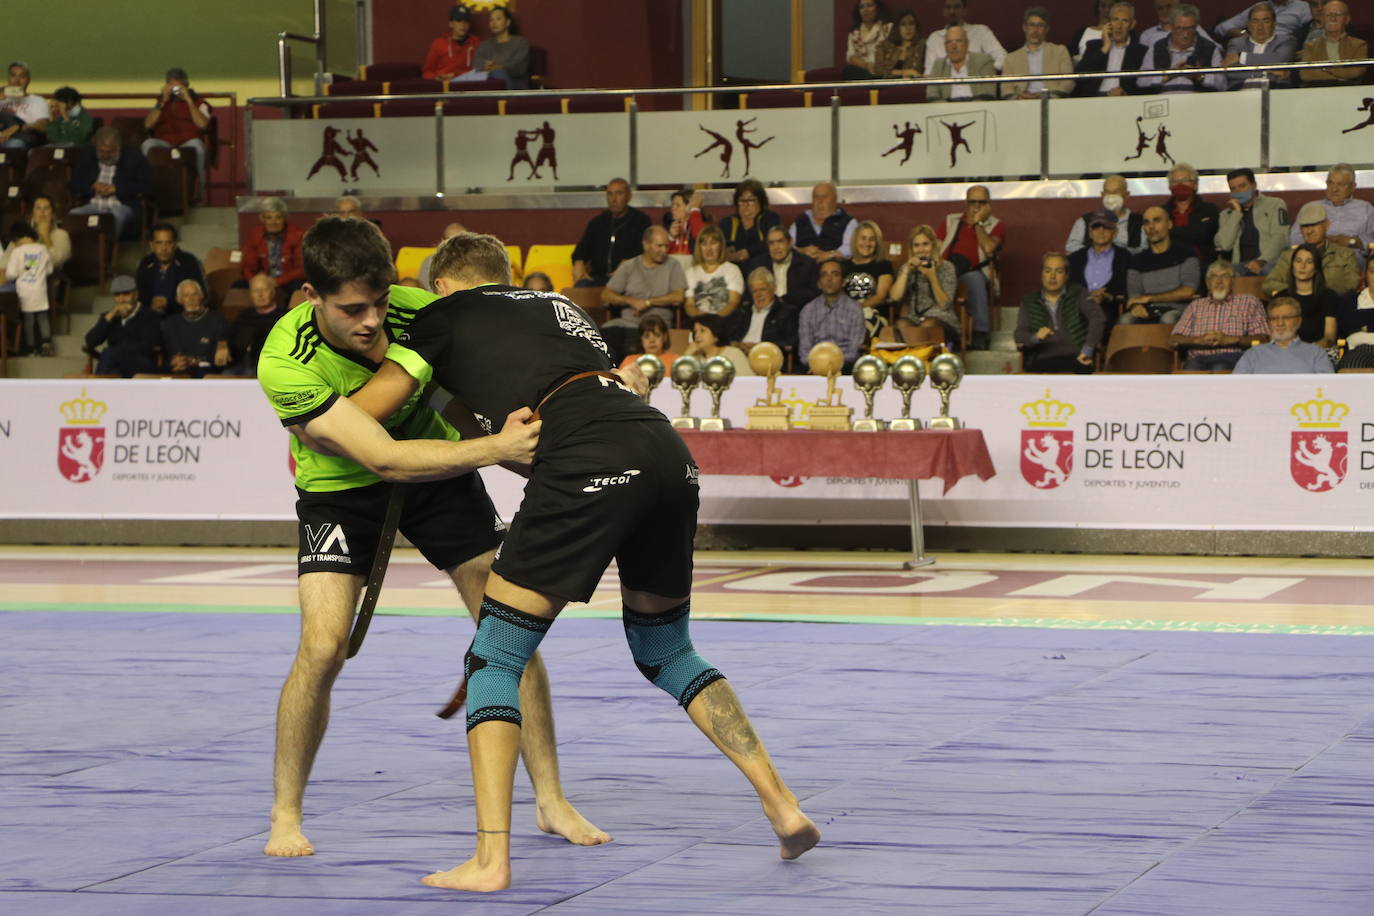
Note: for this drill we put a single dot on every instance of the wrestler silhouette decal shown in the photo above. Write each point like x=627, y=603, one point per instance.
x=332, y=153
x=547, y=155
x=743, y=135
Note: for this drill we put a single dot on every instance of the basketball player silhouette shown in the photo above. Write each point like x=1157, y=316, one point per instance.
x=1142, y=140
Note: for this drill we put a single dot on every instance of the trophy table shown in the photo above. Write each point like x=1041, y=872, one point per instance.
x=826, y=359
x=769, y=412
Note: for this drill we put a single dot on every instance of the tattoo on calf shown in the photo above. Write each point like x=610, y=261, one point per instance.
x=728, y=720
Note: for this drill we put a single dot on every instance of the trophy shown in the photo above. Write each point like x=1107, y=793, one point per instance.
x=826, y=359
x=907, y=375
x=716, y=375
x=686, y=375
x=946, y=371
x=770, y=412
x=652, y=367
x=869, y=374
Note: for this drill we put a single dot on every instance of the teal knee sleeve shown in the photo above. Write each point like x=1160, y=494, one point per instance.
x=663, y=652
x=505, y=640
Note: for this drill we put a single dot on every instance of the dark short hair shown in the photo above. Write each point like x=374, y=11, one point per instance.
x=713, y=323
x=164, y=227
x=883, y=14
x=751, y=184
x=67, y=96
x=471, y=256
x=654, y=324
x=177, y=73
x=894, y=35
x=1241, y=173
x=338, y=251
x=543, y=276
x=21, y=229
x=1040, y=12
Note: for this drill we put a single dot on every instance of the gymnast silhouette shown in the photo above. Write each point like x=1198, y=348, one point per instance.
x=727, y=150
x=1367, y=106
x=742, y=130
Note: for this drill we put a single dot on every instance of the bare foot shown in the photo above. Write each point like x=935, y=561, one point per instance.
x=796, y=833
x=560, y=818
x=286, y=839
x=471, y=877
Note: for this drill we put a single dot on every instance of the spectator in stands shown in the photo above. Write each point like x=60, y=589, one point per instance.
x=1185, y=49
x=958, y=61
x=112, y=178
x=1313, y=25
x=180, y=119
x=655, y=339
x=274, y=248
x=901, y=55
x=1309, y=288
x=1118, y=51
x=714, y=285
x=1289, y=19
x=832, y=316
x=1333, y=43
x=1217, y=328
x=711, y=337
x=506, y=54
x=1058, y=327
x=28, y=267
x=1252, y=229
x=450, y=231
x=250, y=326
x=1115, y=199
x=1163, y=278
x=871, y=24
x=69, y=123
x=825, y=232
x=348, y=207
x=746, y=230
x=163, y=268
x=769, y=319
x=131, y=333
x=1355, y=325
x=650, y=283
x=1194, y=219
x=1351, y=220
x=52, y=236
x=1339, y=266
x=1260, y=44
x=23, y=115
x=971, y=239
x=868, y=276
x=195, y=341
x=795, y=275
x=978, y=38
x=1164, y=13
x=1101, y=267
x=1284, y=353
x=539, y=281
x=452, y=55
x=612, y=236
x=684, y=220
x=1093, y=33
x=926, y=286
x=1037, y=58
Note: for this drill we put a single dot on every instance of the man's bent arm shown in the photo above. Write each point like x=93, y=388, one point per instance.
x=387, y=392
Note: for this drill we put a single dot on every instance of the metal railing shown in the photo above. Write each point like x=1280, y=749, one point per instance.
x=284, y=53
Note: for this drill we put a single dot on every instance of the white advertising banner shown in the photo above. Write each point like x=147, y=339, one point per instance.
x=771, y=144
x=534, y=151
x=325, y=158
x=1210, y=131
x=910, y=143
x=1161, y=452
x=1316, y=127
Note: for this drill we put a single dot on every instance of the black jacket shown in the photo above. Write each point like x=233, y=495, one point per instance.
x=185, y=266
x=1200, y=230
x=802, y=277
x=1116, y=286
x=132, y=179
x=780, y=327
x=608, y=240
x=1094, y=60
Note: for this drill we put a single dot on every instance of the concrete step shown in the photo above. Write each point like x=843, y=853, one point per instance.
x=49, y=366
x=991, y=362
x=200, y=239
x=220, y=217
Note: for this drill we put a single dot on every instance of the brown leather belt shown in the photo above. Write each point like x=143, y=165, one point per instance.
x=569, y=380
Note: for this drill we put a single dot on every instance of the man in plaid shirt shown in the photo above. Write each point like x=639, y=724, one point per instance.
x=1218, y=328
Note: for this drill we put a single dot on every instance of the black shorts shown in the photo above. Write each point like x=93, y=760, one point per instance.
x=449, y=521
x=625, y=490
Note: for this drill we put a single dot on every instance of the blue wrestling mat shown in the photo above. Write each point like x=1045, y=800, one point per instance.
x=950, y=769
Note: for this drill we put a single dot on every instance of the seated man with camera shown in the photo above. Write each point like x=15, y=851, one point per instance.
x=180, y=118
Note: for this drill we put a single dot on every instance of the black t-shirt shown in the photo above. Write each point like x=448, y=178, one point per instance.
x=861, y=280
x=499, y=348
x=1315, y=310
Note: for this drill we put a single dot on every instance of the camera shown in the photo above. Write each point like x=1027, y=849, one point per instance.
x=176, y=90
x=926, y=262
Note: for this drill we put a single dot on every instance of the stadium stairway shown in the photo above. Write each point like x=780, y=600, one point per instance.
x=1001, y=358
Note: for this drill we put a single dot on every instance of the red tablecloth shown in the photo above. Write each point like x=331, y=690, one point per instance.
x=949, y=454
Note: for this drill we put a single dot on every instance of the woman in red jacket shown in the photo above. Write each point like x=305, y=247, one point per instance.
x=274, y=248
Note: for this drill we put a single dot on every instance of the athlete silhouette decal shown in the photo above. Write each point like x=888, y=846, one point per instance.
x=727, y=150
x=329, y=155
x=547, y=154
x=742, y=131
x=332, y=150
x=956, y=140
x=1160, y=138
x=362, y=148
x=1366, y=106
x=905, y=140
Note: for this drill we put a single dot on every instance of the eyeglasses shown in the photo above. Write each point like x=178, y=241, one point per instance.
x=748, y=200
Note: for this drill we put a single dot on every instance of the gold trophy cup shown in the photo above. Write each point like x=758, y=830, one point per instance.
x=869, y=374
x=716, y=375
x=826, y=359
x=946, y=371
x=770, y=412
x=686, y=375
x=653, y=370
x=907, y=375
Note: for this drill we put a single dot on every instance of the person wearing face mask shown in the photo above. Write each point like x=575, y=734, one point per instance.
x=1217, y=328
x=1115, y=197
x=1284, y=353
x=1194, y=219
x=1252, y=229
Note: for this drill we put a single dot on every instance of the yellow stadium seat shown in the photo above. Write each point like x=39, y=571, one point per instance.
x=408, y=261
x=517, y=272
x=554, y=260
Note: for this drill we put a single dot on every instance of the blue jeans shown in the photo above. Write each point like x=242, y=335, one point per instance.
x=124, y=216
x=1212, y=361
x=977, y=285
x=1159, y=314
